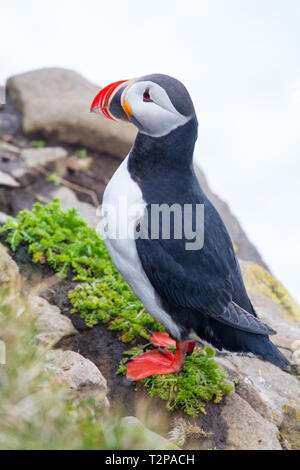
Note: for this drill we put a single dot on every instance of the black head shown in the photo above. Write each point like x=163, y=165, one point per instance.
x=156, y=104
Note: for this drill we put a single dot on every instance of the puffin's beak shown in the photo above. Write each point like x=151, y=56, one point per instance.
x=110, y=101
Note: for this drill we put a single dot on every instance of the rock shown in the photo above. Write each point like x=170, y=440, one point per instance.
x=11, y=120
x=6, y=146
x=135, y=436
x=271, y=392
x=79, y=164
x=273, y=314
x=57, y=156
x=296, y=357
x=82, y=377
x=7, y=138
x=259, y=280
x=3, y=218
x=244, y=248
x=247, y=429
x=2, y=96
x=24, y=175
x=290, y=429
x=268, y=389
x=69, y=200
x=46, y=192
x=50, y=323
x=56, y=103
x=9, y=271
x=295, y=345
x=7, y=180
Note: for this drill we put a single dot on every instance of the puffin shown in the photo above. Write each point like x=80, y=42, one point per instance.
x=188, y=280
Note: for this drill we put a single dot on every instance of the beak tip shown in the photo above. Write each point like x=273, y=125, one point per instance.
x=100, y=104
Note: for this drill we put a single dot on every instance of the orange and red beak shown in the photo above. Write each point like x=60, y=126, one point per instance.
x=109, y=101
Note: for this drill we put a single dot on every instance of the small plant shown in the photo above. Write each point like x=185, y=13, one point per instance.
x=200, y=381
x=39, y=144
x=111, y=299
x=54, y=178
x=82, y=153
x=62, y=237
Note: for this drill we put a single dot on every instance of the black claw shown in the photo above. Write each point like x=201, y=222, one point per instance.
x=161, y=350
x=127, y=381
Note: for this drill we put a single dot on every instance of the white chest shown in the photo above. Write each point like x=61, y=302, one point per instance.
x=122, y=206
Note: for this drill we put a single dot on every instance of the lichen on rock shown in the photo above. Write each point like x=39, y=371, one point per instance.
x=259, y=279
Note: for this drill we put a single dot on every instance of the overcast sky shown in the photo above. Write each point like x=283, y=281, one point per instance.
x=238, y=58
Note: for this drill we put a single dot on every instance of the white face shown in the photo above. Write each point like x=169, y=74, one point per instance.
x=152, y=110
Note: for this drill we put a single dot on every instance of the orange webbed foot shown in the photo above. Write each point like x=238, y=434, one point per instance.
x=156, y=362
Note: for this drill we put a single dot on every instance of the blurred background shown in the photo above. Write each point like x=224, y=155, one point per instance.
x=240, y=62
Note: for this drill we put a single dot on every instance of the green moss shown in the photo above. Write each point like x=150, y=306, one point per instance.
x=200, y=381
x=39, y=144
x=54, y=178
x=62, y=239
x=82, y=153
x=111, y=300
x=259, y=279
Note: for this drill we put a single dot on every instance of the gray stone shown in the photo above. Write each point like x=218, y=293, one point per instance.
x=57, y=156
x=247, y=429
x=296, y=357
x=295, y=345
x=271, y=392
x=56, y=102
x=7, y=180
x=268, y=389
x=80, y=375
x=24, y=175
x=79, y=164
x=52, y=326
x=69, y=200
x=6, y=146
x=9, y=271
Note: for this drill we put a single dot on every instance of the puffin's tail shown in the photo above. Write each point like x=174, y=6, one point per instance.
x=268, y=351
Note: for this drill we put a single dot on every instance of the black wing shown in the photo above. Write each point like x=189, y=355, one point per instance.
x=204, y=281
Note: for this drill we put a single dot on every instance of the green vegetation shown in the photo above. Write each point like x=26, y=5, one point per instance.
x=62, y=237
x=65, y=241
x=82, y=153
x=200, y=381
x=39, y=144
x=111, y=299
x=54, y=178
x=71, y=248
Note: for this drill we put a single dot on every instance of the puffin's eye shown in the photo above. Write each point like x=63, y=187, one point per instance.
x=146, y=96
